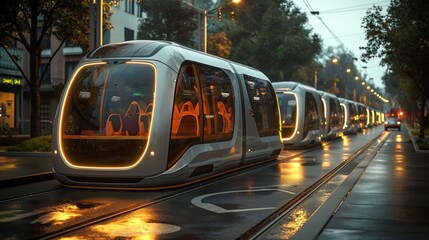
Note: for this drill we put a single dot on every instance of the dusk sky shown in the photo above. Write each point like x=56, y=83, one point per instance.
x=344, y=19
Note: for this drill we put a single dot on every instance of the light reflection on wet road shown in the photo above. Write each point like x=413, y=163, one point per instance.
x=178, y=217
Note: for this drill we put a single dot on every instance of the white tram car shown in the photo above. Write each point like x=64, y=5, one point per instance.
x=301, y=114
x=154, y=114
x=350, y=116
x=332, y=114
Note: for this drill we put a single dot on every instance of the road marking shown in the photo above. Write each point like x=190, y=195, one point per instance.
x=198, y=201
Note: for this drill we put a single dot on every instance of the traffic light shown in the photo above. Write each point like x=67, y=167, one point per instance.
x=219, y=14
x=232, y=15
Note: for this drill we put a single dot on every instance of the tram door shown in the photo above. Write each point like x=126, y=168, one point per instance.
x=262, y=119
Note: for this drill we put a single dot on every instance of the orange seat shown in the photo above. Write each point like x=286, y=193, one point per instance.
x=185, y=121
x=114, y=125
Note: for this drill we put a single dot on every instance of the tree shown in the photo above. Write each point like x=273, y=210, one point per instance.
x=219, y=44
x=278, y=42
x=167, y=20
x=31, y=23
x=401, y=38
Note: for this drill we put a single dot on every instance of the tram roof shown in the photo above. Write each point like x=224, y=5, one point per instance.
x=129, y=49
x=149, y=48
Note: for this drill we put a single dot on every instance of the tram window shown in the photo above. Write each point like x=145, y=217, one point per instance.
x=185, y=126
x=352, y=112
x=311, y=117
x=343, y=114
x=334, y=112
x=264, y=105
x=287, y=103
x=217, y=103
x=104, y=113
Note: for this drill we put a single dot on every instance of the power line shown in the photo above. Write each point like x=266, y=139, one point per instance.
x=354, y=8
x=316, y=14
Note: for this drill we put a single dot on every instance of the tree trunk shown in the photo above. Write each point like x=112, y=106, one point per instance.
x=35, y=97
x=35, y=56
x=422, y=117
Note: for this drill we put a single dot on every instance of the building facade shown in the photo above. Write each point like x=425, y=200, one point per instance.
x=125, y=21
x=11, y=88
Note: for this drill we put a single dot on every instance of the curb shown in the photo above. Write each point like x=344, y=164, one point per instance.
x=413, y=140
x=12, y=182
x=27, y=154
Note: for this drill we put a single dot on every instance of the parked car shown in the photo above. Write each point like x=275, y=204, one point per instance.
x=392, y=122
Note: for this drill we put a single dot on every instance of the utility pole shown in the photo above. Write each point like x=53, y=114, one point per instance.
x=95, y=24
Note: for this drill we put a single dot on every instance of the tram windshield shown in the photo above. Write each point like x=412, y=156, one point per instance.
x=287, y=103
x=106, y=117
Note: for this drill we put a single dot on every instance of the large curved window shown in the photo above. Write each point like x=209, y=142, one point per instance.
x=335, y=113
x=311, y=116
x=362, y=114
x=353, y=113
x=203, y=109
x=106, y=116
x=288, y=105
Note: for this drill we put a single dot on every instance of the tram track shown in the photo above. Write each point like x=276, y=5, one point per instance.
x=270, y=221
x=169, y=195
x=178, y=192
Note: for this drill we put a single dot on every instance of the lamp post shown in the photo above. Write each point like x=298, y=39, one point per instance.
x=205, y=13
x=95, y=24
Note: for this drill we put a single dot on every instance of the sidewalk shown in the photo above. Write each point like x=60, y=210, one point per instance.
x=23, y=167
x=391, y=198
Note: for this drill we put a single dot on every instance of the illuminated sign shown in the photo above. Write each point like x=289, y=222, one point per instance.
x=11, y=81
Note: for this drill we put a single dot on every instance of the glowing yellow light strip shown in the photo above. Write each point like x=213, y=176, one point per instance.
x=346, y=115
x=325, y=111
x=367, y=117
x=296, y=115
x=60, y=128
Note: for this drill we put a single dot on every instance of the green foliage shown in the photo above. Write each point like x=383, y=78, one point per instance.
x=32, y=23
x=278, y=41
x=167, y=20
x=219, y=44
x=5, y=133
x=401, y=39
x=37, y=144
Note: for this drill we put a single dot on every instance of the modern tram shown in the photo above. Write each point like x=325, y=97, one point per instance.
x=350, y=116
x=154, y=114
x=362, y=116
x=301, y=114
x=332, y=115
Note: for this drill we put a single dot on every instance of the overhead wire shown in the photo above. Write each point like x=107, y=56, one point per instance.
x=336, y=38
